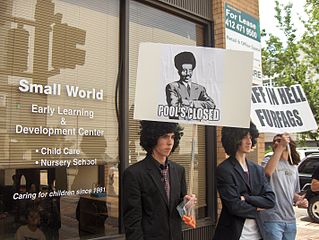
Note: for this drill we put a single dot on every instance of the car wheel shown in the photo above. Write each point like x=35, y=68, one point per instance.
x=313, y=209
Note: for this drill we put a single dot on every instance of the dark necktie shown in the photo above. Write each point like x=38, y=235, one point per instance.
x=246, y=176
x=188, y=89
x=165, y=179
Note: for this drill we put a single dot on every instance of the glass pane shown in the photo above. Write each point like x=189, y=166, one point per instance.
x=43, y=178
x=310, y=166
x=58, y=127
x=152, y=25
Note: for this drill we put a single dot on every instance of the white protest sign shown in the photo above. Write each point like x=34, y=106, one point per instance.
x=281, y=109
x=195, y=85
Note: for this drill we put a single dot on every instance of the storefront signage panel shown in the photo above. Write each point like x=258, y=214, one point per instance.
x=58, y=132
x=57, y=90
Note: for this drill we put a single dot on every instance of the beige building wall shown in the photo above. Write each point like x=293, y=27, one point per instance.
x=250, y=7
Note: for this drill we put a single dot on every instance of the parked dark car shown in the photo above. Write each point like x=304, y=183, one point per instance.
x=306, y=169
x=303, y=152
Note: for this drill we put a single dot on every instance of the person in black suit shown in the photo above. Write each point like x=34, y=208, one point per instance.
x=243, y=187
x=155, y=186
x=184, y=92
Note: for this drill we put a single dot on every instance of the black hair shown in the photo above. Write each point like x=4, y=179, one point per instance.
x=184, y=58
x=150, y=131
x=31, y=210
x=232, y=136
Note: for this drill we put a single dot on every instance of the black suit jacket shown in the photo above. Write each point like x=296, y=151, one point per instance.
x=148, y=215
x=177, y=95
x=232, y=184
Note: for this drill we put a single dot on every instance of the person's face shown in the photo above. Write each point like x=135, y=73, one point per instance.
x=186, y=72
x=245, y=144
x=275, y=142
x=164, y=145
x=33, y=218
x=33, y=188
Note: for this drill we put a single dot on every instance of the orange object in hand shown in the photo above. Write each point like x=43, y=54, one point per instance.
x=189, y=221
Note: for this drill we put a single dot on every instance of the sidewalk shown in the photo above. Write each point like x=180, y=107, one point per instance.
x=306, y=230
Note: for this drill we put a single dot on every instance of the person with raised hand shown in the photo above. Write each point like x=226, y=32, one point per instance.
x=282, y=169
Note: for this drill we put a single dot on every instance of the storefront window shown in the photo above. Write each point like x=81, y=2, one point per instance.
x=58, y=126
x=148, y=24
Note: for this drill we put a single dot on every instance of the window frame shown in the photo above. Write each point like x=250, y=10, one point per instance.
x=123, y=91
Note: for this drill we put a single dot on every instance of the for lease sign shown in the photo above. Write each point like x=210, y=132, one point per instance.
x=243, y=33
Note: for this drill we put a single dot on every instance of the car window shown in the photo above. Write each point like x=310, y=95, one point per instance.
x=310, y=165
x=311, y=152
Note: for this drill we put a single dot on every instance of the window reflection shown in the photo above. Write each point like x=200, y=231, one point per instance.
x=66, y=183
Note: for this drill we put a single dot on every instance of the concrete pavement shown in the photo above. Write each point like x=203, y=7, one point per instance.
x=306, y=230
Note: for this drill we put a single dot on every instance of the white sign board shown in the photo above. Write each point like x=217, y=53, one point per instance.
x=242, y=32
x=195, y=85
x=281, y=109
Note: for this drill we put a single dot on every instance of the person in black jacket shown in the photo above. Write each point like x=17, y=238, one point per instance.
x=243, y=187
x=155, y=186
